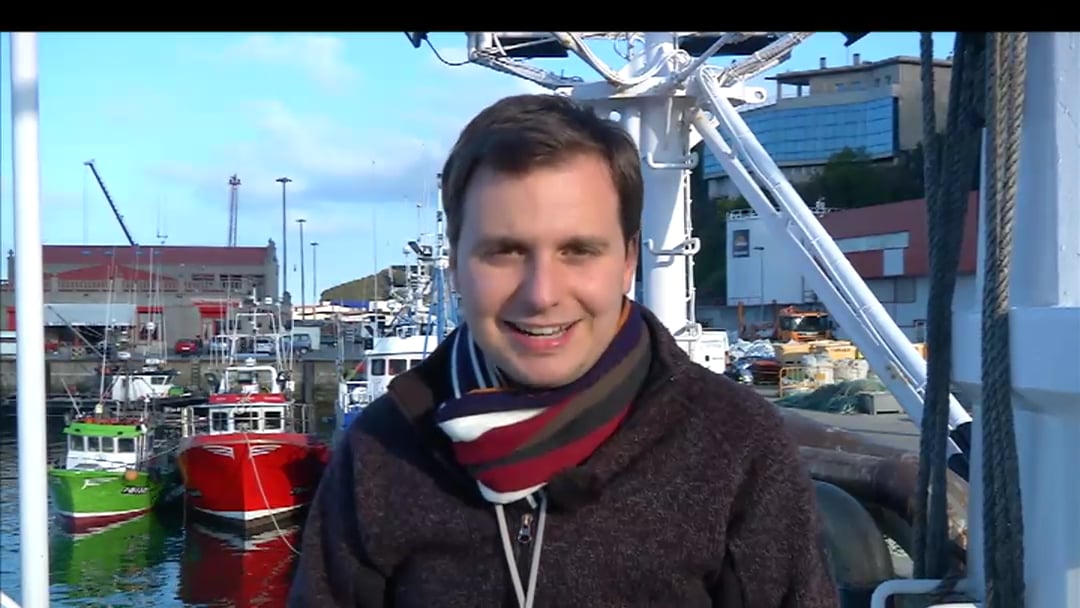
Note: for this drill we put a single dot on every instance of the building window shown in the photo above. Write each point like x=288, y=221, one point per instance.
x=809, y=136
x=232, y=281
x=904, y=290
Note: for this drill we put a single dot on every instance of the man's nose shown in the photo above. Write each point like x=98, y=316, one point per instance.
x=541, y=284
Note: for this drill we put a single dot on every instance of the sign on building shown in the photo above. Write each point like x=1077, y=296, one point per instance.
x=740, y=243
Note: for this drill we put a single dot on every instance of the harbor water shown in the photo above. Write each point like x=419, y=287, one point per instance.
x=158, y=560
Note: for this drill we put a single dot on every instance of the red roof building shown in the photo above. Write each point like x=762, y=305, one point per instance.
x=191, y=286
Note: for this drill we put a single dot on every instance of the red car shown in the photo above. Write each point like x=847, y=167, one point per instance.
x=187, y=346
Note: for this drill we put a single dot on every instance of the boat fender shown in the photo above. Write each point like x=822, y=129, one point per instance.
x=853, y=544
x=130, y=475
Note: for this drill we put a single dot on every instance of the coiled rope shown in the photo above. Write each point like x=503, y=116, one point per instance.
x=1003, y=530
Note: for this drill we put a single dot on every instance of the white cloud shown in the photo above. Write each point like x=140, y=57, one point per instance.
x=321, y=57
x=342, y=165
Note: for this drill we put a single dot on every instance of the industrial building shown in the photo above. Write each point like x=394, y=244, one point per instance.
x=888, y=245
x=160, y=294
x=874, y=106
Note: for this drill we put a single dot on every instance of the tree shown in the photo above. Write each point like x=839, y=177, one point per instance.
x=848, y=180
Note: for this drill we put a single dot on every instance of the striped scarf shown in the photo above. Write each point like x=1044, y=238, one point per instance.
x=513, y=440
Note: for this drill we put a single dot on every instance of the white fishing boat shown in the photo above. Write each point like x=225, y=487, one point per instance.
x=426, y=314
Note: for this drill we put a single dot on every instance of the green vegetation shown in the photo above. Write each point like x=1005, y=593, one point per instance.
x=850, y=179
x=370, y=287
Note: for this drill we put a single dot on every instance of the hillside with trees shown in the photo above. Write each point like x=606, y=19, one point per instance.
x=371, y=287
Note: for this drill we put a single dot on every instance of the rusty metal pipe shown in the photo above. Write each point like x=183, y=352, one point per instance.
x=880, y=477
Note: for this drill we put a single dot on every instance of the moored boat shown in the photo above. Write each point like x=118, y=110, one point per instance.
x=115, y=468
x=247, y=457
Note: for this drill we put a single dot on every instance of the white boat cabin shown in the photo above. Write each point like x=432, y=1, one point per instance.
x=104, y=447
x=148, y=383
x=234, y=417
x=393, y=355
x=250, y=379
x=250, y=399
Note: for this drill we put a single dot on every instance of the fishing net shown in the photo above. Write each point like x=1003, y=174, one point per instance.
x=837, y=398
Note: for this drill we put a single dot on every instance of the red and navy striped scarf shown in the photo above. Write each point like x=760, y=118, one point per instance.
x=513, y=440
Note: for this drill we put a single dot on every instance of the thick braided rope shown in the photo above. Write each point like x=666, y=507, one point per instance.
x=1002, y=513
x=947, y=198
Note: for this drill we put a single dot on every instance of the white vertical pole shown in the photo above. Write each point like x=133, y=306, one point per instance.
x=663, y=139
x=631, y=122
x=30, y=322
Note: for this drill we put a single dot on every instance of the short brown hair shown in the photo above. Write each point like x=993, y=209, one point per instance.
x=523, y=132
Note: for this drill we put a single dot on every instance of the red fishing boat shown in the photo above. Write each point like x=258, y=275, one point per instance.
x=247, y=456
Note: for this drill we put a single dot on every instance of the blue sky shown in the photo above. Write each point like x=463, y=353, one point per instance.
x=362, y=122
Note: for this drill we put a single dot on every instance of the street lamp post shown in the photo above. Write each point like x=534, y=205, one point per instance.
x=314, y=273
x=284, y=240
x=303, y=296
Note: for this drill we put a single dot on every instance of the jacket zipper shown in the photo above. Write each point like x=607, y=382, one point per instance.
x=522, y=550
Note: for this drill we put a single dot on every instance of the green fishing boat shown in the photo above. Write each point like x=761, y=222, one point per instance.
x=115, y=469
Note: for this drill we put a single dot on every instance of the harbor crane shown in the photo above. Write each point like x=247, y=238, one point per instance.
x=112, y=204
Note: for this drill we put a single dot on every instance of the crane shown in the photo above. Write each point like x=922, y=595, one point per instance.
x=234, y=208
x=116, y=212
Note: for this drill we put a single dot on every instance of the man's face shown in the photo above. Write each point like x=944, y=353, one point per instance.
x=541, y=266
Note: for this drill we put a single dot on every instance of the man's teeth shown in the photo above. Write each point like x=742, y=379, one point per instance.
x=542, y=331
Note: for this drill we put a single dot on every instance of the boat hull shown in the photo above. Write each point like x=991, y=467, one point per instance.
x=89, y=499
x=251, y=481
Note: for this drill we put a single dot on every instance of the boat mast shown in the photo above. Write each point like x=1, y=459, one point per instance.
x=30, y=332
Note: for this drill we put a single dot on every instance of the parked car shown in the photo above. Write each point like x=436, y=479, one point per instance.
x=187, y=346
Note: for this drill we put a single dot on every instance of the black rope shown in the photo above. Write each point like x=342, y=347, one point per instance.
x=1003, y=528
x=950, y=160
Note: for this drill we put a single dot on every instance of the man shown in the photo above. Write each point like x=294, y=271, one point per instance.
x=559, y=449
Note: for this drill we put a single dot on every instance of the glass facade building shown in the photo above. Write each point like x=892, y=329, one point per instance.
x=809, y=135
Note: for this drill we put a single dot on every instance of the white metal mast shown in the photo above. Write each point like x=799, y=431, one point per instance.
x=30, y=331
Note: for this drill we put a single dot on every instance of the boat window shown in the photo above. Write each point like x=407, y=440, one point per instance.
x=414, y=362
x=219, y=421
x=75, y=442
x=272, y=420
x=92, y=444
x=107, y=444
x=246, y=421
x=397, y=366
x=158, y=380
x=125, y=445
x=378, y=367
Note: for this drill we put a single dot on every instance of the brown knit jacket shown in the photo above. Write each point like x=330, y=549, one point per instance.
x=699, y=499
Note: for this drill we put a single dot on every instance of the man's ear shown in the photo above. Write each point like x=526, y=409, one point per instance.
x=633, y=251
